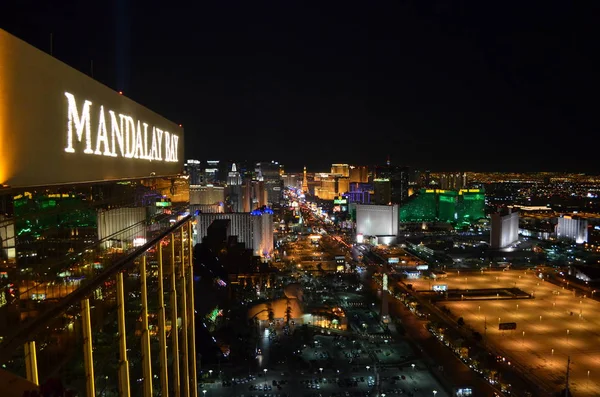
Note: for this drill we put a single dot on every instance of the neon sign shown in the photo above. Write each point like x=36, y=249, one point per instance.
x=127, y=138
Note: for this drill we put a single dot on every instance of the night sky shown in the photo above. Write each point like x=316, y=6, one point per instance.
x=444, y=85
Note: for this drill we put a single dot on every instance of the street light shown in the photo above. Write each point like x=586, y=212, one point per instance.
x=204, y=392
x=413, y=366
x=588, y=378
x=368, y=367
x=321, y=369
x=523, y=336
x=265, y=376
x=210, y=371
x=434, y=392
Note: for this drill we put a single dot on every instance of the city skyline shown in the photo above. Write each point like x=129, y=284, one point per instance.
x=142, y=253
x=424, y=84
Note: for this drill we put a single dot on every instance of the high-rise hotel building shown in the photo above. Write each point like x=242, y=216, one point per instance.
x=82, y=170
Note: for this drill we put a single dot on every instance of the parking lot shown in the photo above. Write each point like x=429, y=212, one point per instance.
x=410, y=381
x=553, y=326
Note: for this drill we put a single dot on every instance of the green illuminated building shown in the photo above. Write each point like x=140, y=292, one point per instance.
x=471, y=205
x=421, y=208
x=446, y=205
x=437, y=205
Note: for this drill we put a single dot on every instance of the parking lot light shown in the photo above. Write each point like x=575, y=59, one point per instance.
x=413, y=366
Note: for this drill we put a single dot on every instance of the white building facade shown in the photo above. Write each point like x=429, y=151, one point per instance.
x=254, y=229
x=377, y=220
x=505, y=230
x=572, y=228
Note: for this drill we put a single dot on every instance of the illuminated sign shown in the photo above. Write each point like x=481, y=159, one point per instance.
x=393, y=260
x=385, y=282
x=461, y=191
x=126, y=139
x=340, y=201
x=163, y=203
x=440, y=287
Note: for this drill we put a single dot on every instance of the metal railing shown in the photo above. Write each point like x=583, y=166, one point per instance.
x=110, y=335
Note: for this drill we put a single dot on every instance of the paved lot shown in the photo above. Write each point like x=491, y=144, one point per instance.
x=416, y=382
x=553, y=326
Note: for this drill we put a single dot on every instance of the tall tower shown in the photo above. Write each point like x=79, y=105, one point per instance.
x=233, y=177
x=305, y=182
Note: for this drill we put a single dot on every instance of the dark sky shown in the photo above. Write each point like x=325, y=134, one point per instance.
x=450, y=85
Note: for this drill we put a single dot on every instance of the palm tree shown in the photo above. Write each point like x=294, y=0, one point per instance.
x=271, y=314
x=288, y=312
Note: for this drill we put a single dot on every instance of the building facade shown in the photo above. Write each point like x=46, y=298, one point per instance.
x=505, y=230
x=82, y=170
x=207, y=194
x=572, y=228
x=377, y=220
x=382, y=191
x=254, y=229
x=439, y=205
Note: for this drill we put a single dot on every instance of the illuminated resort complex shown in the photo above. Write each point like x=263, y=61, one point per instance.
x=454, y=206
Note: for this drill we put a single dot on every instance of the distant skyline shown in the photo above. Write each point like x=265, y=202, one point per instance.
x=437, y=85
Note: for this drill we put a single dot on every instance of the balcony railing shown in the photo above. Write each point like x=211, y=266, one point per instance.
x=106, y=332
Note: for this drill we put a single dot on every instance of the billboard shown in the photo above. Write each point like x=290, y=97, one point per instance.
x=57, y=125
x=507, y=326
x=440, y=287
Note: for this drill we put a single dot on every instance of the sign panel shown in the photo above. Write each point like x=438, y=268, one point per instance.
x=59, y=126
x=507, y=326
x=440, y=287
